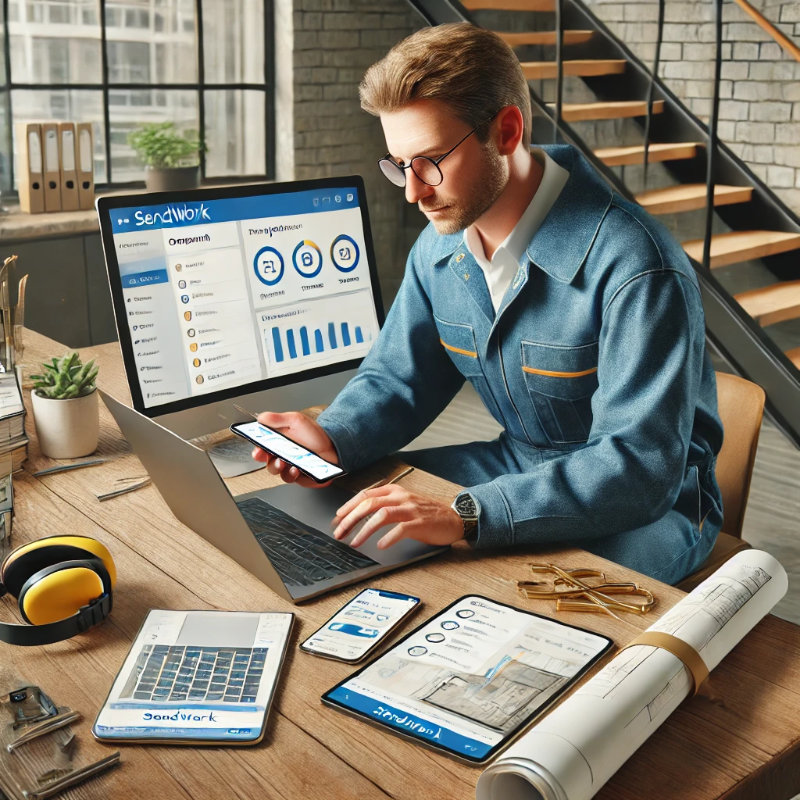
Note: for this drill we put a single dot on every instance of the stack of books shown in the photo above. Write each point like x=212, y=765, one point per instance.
x=13, y=441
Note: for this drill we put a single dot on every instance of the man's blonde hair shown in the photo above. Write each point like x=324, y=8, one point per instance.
x=470, y=69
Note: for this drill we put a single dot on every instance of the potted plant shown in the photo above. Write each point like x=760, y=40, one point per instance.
x=171, y=157
x=65, y=409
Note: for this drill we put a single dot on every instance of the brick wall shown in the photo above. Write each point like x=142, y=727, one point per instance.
x=759, y=115
x=322, y=130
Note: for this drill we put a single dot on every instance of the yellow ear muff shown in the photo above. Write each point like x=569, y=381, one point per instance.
x=28, y=558
x=58, y=592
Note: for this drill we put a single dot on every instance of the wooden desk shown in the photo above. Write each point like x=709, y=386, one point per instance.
x=741, y=745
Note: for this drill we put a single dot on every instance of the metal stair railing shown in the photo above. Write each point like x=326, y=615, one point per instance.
x=730, y=330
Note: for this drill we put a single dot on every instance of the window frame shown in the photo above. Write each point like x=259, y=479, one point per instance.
x=104, y=87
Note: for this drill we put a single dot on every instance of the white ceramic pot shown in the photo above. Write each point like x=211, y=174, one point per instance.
x=66, y=428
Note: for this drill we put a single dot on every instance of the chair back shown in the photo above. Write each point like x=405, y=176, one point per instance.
x=741, y=407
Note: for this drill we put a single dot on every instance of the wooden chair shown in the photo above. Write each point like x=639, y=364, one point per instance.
x=741, y=407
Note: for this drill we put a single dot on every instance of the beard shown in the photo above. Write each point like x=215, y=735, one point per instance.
x=489, y=181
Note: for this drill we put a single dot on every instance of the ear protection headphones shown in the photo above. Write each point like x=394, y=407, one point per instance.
x=63, y=586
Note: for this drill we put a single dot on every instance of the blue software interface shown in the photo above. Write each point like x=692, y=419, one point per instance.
x=222, y=293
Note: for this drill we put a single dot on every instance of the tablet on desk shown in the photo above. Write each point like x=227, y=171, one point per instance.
x=471, y=678
x=197, y=677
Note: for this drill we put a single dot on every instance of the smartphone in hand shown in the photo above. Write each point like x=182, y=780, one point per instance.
x=276, y=444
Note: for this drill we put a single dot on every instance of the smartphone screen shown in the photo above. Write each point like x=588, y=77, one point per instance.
x=354, y=631
x=279, y=445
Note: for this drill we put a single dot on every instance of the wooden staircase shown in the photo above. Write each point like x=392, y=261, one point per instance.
x=767, y=305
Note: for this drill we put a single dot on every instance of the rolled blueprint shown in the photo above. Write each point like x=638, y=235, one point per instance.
x=578, y=746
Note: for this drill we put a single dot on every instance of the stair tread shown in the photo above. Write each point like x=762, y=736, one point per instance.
x=575, y=66
x=545, y=37
x=509, y=5
x=658, y=151
x=690, y=196
x=770, y=304
x=617, y=109
x=735, y=246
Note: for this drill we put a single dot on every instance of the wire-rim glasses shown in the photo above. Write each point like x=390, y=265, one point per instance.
x=425, y=168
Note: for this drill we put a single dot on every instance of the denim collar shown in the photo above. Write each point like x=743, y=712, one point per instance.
x=567, y=233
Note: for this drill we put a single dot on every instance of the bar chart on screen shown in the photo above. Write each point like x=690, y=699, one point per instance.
x=327, y=331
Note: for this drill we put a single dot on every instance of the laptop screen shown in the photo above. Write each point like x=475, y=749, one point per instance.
x=221, y=292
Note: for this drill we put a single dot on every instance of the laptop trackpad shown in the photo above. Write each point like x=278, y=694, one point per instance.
x=317, y=507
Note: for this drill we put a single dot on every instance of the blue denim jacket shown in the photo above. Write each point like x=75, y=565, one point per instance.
x=595, y=365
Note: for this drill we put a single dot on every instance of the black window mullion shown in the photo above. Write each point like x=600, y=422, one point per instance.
x=201, y=76
x=269, y=92
x=9, y=135
x=106, y=107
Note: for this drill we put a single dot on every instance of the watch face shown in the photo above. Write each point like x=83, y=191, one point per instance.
x=465, y=506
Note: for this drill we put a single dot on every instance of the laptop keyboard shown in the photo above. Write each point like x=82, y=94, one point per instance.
x=301, y=555
x=165, y=673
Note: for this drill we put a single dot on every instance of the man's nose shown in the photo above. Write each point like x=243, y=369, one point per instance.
x=415, y=188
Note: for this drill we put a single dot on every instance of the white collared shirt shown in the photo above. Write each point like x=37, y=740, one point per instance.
x=499, y=272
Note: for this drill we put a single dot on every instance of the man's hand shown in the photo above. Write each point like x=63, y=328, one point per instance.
x=304, y=431
x=415, y=517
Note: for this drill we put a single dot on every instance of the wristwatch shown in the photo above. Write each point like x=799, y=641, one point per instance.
x=466, y=506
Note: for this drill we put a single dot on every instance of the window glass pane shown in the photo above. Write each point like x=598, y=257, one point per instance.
x=233, y=41
x=151, y=46
x=56, y=42
x=129, y=109
x=235, y=133
x=65, y=104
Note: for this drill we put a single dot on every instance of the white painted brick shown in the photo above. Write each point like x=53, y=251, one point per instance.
x=790, y=91
x=787, y=134
x=756, y=90
x=736, y=70
x=762, y=154
x=689, y=70
x=734, y=109
x=782, y=177
x=770, y=112
x=745, y=51
x=697, y=52
x=776, y=71
x=671, y=51
x=726, y=130
x=755, y=132
x=790, y=12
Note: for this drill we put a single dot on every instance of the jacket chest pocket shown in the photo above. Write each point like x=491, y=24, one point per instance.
x=560, y=382
x=459, y=343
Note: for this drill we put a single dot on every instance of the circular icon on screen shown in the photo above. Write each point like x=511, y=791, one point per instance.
x=465, y=613
x=190, y=332
x=449, y=625
x=178, y=267
x=187, y=315
x=199, y=379
x=196, y=362
x=417, y=651
x=181, y=284
x=268, y=265
x=344, y=253
x=307, y=259
x=184, y=298
x=435, y=637
x=193, y=347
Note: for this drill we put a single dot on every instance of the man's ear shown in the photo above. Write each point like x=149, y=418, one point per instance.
x=509, y=127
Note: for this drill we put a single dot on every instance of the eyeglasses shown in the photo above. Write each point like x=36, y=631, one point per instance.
x=425, y=168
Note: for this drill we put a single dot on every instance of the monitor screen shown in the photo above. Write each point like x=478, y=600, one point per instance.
x=221, y=293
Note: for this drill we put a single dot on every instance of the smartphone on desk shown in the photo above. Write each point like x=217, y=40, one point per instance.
x=357, y=628
x=276, y=444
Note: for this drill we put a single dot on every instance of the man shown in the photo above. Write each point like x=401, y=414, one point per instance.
x=574, y=315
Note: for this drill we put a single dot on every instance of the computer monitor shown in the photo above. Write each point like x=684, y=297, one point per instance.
x=261, y=295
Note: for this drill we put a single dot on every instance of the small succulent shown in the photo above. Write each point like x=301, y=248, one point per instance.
x=66, y=377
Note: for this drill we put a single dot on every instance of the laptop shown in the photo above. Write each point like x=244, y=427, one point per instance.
x=282, y=535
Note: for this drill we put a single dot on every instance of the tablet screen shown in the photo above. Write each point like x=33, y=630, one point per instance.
x=469, y=679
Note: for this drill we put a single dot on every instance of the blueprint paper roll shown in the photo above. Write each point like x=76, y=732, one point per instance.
x=578, y=746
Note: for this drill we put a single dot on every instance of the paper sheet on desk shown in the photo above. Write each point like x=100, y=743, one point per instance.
x=574, y=750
